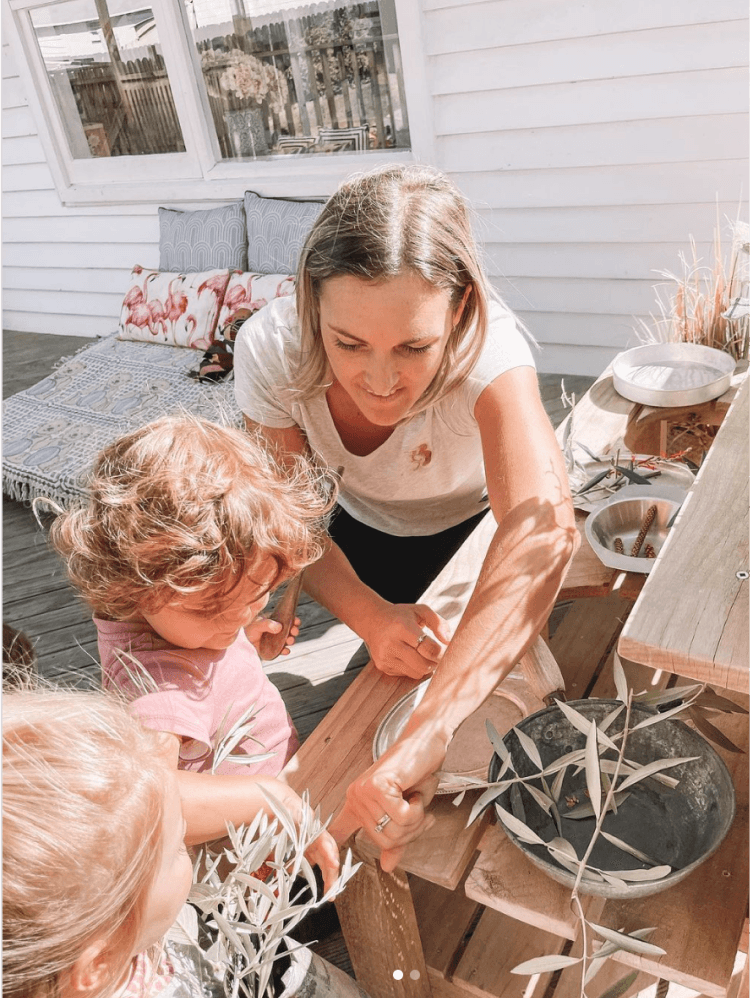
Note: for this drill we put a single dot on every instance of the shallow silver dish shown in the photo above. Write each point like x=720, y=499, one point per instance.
x=622, y=518
x=672, y=374
x=470, y=751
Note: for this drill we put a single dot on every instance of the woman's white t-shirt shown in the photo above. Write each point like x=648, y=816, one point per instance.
x=429, y=474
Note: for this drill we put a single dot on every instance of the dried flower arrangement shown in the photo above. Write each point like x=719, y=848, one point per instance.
x=248, y=897
x=608, y=781
x=702, y=304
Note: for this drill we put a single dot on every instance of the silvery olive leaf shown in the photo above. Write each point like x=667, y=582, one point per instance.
x=593, y=776
x=629, y=943
x=627, y=848
x=710, y=698
x=655, y=718
x=516, y=803
x=621, y=683
x=558, y=782
x=710, y=731
x=545, y=802
x=528, y=746
x=656, y=698
x=581, y=723
x=497, y=743
x=606, y=723
x=639, y=876
x=518, y=828
x=653, y=767
x=545, y=964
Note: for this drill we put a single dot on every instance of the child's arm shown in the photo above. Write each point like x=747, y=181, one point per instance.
x=209, y=801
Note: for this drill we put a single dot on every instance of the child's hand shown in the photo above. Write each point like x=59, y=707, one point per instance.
x=325, y=853
x=264, y=625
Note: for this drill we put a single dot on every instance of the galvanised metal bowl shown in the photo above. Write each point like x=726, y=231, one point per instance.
x=678, y=827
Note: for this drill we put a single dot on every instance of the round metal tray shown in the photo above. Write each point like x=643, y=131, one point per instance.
x=470, y=751
x=672, y=374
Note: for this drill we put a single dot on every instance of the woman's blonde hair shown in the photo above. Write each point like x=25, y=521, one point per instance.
x=184, y=507
x=393, y=220
x=83, y=800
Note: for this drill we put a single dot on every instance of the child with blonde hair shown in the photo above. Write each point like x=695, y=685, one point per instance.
x=188, y=527
x=95, y=868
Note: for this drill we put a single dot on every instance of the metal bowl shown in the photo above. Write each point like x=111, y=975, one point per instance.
x=623, y=518
x=678, y=827
x=672, y=374
x=469, y=752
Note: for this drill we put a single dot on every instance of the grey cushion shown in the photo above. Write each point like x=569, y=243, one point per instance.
x=192, y=241
x=276, y=231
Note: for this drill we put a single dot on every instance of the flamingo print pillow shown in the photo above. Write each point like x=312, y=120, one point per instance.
x=179, y=309
x=245, y=294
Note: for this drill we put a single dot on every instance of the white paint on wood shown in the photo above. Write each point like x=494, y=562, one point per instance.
x=662, y=50
x=671, y=95
x=664, y=140
x=450, y=28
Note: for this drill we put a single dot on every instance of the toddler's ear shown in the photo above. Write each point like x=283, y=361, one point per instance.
x=92, y=970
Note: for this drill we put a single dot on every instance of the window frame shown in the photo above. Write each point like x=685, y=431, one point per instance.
x=200, y=173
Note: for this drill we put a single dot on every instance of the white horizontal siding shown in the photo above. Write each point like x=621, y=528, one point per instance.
x=592, y=138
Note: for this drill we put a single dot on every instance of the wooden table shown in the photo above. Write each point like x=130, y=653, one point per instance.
x=692, y=616
x=465, y=907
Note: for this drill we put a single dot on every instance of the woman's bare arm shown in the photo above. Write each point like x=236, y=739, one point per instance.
x=516, y=588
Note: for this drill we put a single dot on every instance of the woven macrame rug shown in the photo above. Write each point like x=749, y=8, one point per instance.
x=53, y=431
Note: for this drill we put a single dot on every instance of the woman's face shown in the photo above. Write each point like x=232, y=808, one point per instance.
x=384, y=340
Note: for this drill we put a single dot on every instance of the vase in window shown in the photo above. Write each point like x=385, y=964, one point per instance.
x=251, y=82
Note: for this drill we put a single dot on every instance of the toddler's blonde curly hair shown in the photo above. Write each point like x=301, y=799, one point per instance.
x=183, y=508
x=83, y=805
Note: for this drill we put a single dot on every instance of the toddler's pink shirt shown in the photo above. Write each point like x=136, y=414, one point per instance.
x=202, y=693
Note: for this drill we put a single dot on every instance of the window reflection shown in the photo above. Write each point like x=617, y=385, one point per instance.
x=108, y=78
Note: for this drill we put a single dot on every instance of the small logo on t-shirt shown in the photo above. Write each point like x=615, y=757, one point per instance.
x=421, y=456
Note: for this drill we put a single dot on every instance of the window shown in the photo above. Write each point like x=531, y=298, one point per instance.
x=211, y=90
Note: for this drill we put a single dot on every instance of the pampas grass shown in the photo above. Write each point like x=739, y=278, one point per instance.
x=692, y=304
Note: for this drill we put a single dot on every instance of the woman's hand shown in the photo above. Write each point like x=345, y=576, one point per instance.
x=400, y=786
x=397, y=640
x=264, y=625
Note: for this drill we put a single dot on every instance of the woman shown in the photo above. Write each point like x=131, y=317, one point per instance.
x=396, y=370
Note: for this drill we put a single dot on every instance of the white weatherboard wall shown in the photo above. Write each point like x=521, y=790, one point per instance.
x=593, y=137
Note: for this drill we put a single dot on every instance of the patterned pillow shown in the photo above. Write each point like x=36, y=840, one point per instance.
x=179, y=309
x=276, y=231
x=193, y=241
x=246, y=293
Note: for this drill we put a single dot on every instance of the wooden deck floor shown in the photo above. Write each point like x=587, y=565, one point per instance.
x=38, y=599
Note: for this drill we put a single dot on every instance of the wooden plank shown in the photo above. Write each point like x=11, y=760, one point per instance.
x=691, y=617
x=378, y=906
x=504, y=879
x=498, y=944
x=444, y=917
x=677, y=49
x=553, y=105
x=569, y=982
x=441, y=854
x=584, y=638
x=699, y=922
